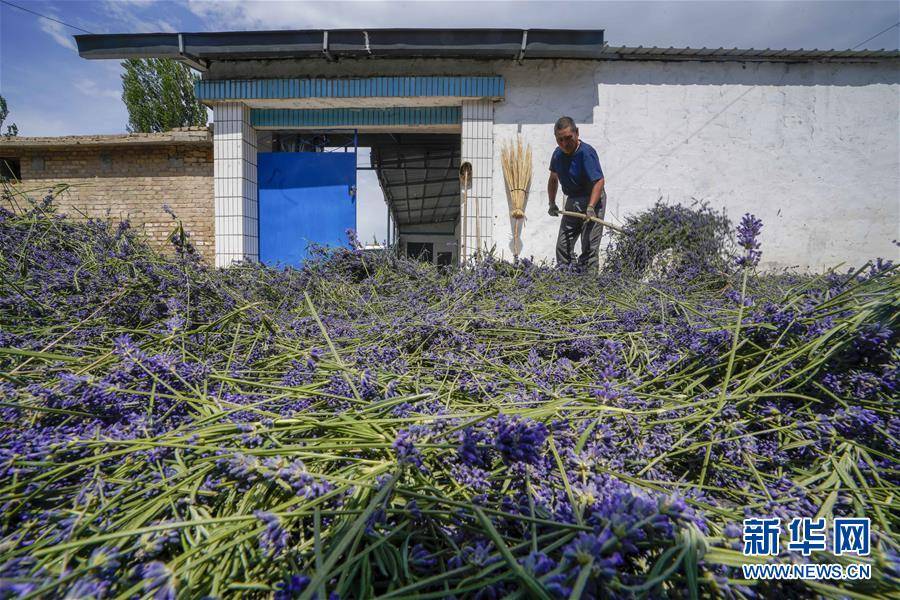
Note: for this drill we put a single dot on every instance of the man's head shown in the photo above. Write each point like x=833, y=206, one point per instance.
x=566, y=134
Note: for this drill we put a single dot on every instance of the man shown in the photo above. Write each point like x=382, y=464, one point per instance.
x=575, y=165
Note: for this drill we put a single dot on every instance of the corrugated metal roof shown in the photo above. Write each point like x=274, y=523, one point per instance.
x=420, y=177
x=742, y=54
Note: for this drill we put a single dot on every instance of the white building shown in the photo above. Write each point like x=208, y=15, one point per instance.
x=806, y=140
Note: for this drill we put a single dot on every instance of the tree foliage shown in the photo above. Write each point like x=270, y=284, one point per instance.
x=159, y=95
x=11, y=130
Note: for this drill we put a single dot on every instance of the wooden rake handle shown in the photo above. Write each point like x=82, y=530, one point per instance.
x=569, y=213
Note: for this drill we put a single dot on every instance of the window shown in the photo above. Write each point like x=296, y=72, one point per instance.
x=424, y=251
x=10, y=169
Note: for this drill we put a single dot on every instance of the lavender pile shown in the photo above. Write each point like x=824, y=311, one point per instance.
x=374, y=427
x=672, y=239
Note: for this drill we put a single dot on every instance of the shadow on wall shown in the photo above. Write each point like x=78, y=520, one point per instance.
x=544, y=92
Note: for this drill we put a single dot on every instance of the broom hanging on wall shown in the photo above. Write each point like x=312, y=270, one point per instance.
x=516, y=158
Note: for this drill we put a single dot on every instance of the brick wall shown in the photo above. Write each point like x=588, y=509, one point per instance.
x=129, y=182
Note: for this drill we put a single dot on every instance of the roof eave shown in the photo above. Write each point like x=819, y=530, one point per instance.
x=514, y=44
x=200, y=137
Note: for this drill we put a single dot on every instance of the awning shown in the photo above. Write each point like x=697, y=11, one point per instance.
x=419, y=174
x=332, y=44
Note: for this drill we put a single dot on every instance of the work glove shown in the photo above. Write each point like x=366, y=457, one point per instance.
x=554, y=210
x=590, y=213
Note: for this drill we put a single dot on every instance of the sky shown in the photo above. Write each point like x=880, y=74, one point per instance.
x=51, y=91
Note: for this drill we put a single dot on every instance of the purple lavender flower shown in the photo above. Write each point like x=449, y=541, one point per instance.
x=103, y=562
x=518, y=439
x=159, y=581
x=296, y=475
x=274, y=539
x=407, y=453
x=368, y=385
x=421, y=559
x=241, y=467
x=292, y=587
x=748, y=231
x=473, y=449
x=477, y=554
x=88, y=587
x=596, y=550
x=538, y=563
x=300, y=373
x=471, y=477
x=152, y=543
x=873, y=337
x=412, y=507
x=586, y=547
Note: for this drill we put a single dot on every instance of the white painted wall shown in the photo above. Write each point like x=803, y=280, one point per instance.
x=811, y=149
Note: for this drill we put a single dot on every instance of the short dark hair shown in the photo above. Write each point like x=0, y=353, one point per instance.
x=565, y=123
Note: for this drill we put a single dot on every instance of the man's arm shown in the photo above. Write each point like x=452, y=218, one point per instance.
x=552, y=186
x=595, y=172
x=596, y=191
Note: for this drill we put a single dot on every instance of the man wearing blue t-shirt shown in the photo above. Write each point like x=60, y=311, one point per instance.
x=576, y=167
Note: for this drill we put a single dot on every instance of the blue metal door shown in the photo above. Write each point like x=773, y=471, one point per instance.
x=304, y=197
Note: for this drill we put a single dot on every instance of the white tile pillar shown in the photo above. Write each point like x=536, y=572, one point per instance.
x=234, y=170
x=478, y=149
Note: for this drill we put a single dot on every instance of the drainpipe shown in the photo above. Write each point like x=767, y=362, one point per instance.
x=325, y=50
x=521, y=56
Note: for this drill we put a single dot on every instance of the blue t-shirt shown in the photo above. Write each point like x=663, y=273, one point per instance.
x=578, y=172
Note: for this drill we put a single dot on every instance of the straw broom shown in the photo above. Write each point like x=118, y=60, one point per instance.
x=516, y=158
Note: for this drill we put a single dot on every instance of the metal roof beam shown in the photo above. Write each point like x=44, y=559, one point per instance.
x=198, y=64
x=419, y=181
x=428, y=197
x=444, y=180
x=399, y=165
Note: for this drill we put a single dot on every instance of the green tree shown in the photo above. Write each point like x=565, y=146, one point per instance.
x=11, y=130
x=159, y=95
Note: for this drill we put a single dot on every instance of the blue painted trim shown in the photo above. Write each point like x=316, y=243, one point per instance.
x=355, y=117
x=491, y=86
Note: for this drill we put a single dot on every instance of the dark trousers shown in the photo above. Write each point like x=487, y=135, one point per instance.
x=570, y=228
